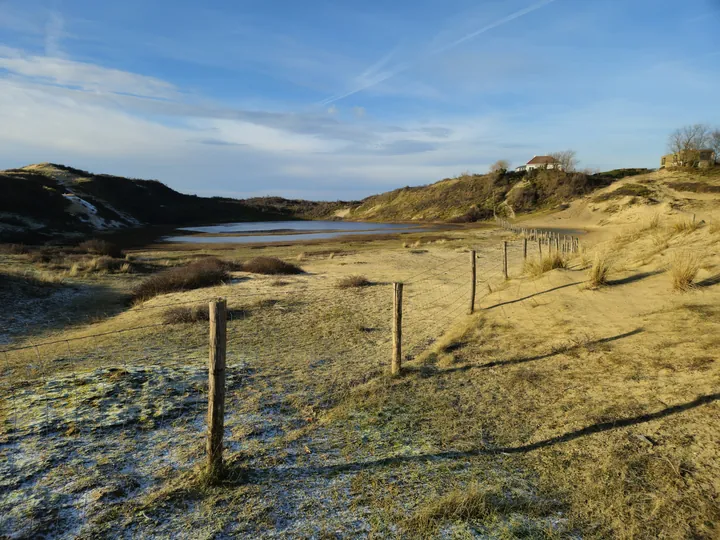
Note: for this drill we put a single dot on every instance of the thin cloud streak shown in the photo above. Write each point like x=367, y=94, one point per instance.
x=493, y=25
x=407, y=65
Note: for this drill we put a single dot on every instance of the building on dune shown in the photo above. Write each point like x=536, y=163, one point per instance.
x=540, y=162
x=689, y=158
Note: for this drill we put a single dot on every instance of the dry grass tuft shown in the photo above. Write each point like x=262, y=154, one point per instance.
x=350, y=282
x=653, y=223
x=270, y=266
x=186, y=314
x=684, y=267
x=551, y=261
x=600, y=269
x=686, y=226
x=203, y=273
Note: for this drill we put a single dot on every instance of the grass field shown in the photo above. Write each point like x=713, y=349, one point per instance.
x=564, y=408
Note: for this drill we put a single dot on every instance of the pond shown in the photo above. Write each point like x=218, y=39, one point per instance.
x=289, y=231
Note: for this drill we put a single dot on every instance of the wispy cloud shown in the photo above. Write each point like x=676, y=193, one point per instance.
x=376, y=74
x=81, y=75
x=54, y=32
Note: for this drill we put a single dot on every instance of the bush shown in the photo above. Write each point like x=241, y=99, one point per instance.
x=101, y=247
x=350, y=282
x=270, y=266
x=186, y=314
x=204, y=273
x=684, y=266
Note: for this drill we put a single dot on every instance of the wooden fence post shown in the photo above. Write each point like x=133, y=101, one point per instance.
x=540, y=247
x=396, y=366
x=557, y=243
x=505, y=262
x=216, y=388
x=473, y=278
x=525, y=248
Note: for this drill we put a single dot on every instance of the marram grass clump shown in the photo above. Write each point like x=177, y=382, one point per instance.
x=549, y=261
x=684, y=267
x=600, y=269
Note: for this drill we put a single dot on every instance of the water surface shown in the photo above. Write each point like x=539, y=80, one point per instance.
x=289, y=231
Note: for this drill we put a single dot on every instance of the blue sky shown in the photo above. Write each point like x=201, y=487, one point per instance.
x=342, y=99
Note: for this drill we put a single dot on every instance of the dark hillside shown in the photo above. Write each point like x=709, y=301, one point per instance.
x=475, y=197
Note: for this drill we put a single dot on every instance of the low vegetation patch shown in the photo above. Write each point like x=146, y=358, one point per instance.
x=14, y=249
x=482, y=504
x=628, y=190
x=101, y=247
x=684, y=267
x=203, y=273
x=695, y=187
x=270, y=266
x=350, y=282
x=186, y=314
x=551, y=261
x=600, y=269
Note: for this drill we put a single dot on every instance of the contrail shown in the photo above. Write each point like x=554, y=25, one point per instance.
x=407, y=65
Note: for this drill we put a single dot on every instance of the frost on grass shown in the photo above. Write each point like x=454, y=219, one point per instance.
x=72, y=445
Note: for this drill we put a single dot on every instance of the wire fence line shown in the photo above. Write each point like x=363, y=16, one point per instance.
x=130, y=401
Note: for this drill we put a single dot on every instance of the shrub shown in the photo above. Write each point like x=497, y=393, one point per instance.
x=350, y=282
x=537, y=267
x=599, y=270
x=186, y=314
x=204, y=273
x=684, y=266
x=270, y=266
x=101, y=247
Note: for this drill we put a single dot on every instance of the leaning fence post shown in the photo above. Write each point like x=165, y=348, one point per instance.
x=473, y=278
x=505, y=264
x=396, y=366
x=216, y=387
x=540, y=247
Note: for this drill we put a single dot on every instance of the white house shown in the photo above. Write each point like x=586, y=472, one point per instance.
x=540, y=162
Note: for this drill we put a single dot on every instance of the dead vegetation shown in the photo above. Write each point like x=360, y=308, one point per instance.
x=101, y=247
x=186, y=314
x=203, y=273
x=270, y=266
x=353, y=281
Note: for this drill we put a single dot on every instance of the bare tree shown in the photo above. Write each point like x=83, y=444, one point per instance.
x=689, y=138
x=715, y=143
x=567, y=160
x=500, y=165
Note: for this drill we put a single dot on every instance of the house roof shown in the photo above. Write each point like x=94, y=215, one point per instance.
x=541, y=160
